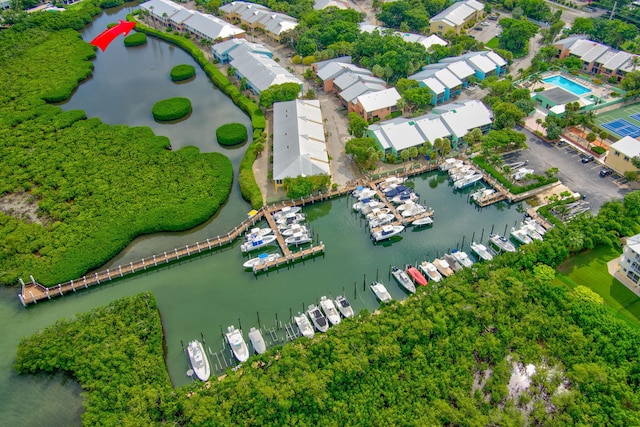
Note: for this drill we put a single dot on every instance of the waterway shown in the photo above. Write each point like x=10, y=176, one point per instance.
x=206, y=294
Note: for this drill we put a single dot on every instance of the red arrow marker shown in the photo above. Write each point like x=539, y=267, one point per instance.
x=107, y=36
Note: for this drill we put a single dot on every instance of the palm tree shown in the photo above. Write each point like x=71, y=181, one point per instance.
x=535, y=79
x=538, y=122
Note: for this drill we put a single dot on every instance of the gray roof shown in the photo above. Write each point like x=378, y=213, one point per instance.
x=160, y=7
x=299, y=146
x=255, y=14
x=344, y=59
x=360, y=88
x=262, y=71
x=332, y=70
x=211, y=27
x=458, y=12
x=346, y=80
x=321, y=4
x=559, y=96
x=234, y=44
x=566, y=43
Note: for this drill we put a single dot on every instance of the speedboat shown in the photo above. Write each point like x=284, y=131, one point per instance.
x=344, y=307
x=459, y=173
x=531, y=232
x=481, y=194
x=304, y=325
x=404, y=280
x=391, y=181
x=449, y=164
x=416, y=209
x=364, y=193
x=291, y=218
x=285, y=211
x=443, y=267
x=406, y=205
x=462, y=258
x=255, y=336
x=381, y=292
x=535, y=225
x=377, y=212
x=295, y=228
x=416, y=276
x=427, y=220
x=318, y=319
x=261, y=259
x=237, y=344
x=453, y=262
x=298, y=239
x=467, y=181
x=431, y=271
x=366, y=204
x=386, y=232
x=198, y=359
x=404, y=196
x=520, y=236
x=381, y=220
x=257, y=242
x=330, y=310
x=258, y=232
x=502, y=243
x=394, y=191
x=482, y=251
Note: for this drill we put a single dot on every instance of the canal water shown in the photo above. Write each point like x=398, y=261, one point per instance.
x=202, y=296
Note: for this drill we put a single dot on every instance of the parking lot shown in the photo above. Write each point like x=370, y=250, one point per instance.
x=583, y=178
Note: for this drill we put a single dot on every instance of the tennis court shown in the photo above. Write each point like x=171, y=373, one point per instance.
x=621, y=122
x=635, y=116
x=622, y=127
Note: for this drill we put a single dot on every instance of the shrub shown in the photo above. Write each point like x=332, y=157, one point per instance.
x=135, y=39
x=231, y=134
x=182, y=72
x=171, y=109
x=598, y=150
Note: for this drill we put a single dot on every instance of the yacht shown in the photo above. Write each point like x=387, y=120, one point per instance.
x=520, y=235
x=414, y=210
x=453, y=262
x=386, y=232
x=404, y=196
x=304, y=325
x=467, y=181
x=431, y=271
x=371, y=206
x=381, y=292
x=391, y=181
x=462, y=258
x=365, y=204
x=364, y=193
x=330, y=310
x=531, y=231
x=482, y=251
x=199, y=361
x=443, y=267
x=402, y=279
x=237, y=344
x=392, y=192
x=532, y=223
x=261, y=259
x=318, y=319
x=502, y=243
x=298, y=239
x=255, y=336
x=257, y=242
x=344, y=307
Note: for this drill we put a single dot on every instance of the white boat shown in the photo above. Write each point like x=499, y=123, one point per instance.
x=531, y=232
x=461, y=172
x=198, y=359
x=392, y=180
x=344, y=306
x=427, y=220
x=467, y=181
x=381, y=292
x=443, y=267
x=257, y=342
x=482, y=251
x=318, y=319
x=449, y=164
x=535, y=225
x=430, y=270
x=453, y=262
x=330, y=310
x=377, y=212
x=403, y=279
x=285, y=211
x=359, y=206
x=261, y=259
x=237, y=344
x=521, y=174
x=481, y=194
x=257, y=242
x=462, y=258
x=381, y=220
x=298, y=239
x=502, y=243
x=258, y=232
x=364, y=193
x=416, y=209
x=304, y=325
x=294, y=228
x=520, y=236
x=386, y=232
x=291, y=218
x=404, y=197
x=374, y=204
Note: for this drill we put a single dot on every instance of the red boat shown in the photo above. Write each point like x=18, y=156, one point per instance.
x=417, y=277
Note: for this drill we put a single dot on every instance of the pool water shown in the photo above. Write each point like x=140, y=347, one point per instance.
x=567, y=84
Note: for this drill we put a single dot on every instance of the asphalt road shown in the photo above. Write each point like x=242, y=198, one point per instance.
x=579, y=177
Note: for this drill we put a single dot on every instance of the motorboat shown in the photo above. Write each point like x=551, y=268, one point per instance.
x=382, y=220
x=415, y=275
x=364, y=193
x=359, y=206
x=520, y=236
x=330, y=310
x=463, y=258
x=386, y=232
x=318, y=319
x=453, y=262
x=286, y=211
x=416, y=209
x=391, y=181
x=443, y=267
x=427, y=220
x=257, y=341
x=237, y=344
x=261, y=259
x=381, y=292
x=502, y=243
x=482, y=194
x=449, y=164
x=295, y=228
x=430, y=270
x=535, y=225
x=371, y=206
x=199, y=361
x=461, y=172
x=377, y=212
x=467, y=181
x=406, y=205
x=258, y=232
x=257, y=242
x=392, y=192
x=404, y=196
x=344, y=307
x=298, y=239
x=482, y=251
x=305, y=327
x=402, y=279
x=531, y=232
x=291, y=218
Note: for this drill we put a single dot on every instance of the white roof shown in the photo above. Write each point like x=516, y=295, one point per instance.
x=432, y=127
x=211, y=27
x=425, y=41
x=447, y=78
x=378, y=100
x=273, y=22
x=617, y=60
x=482, y=63
x=469, y=115
x=628, y=146
x=434, y=84
x=238, y=45
x=334, y=69
x=160, y=7
x=360, y=88
x=495, y=58
x=633, y=243
x=180, y=16
x=240, y=7
x=299, y=146
x=321, y=4
x=458, y=12
x=262, y=71
x=461, y=69
x=278, y=23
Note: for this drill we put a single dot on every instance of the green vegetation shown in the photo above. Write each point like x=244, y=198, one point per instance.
x=540, y=180
x=493, y=43
x=84, y=189
x=231, y=134
x=516, y=34
x=182, y=72
x=171, y=109
x=279, y=93
x=135, y=39
x=303, y=186
x=365, y=152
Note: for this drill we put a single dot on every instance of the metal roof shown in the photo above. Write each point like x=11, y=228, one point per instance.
x=321, y=4
x=378, y=100
x=434, y=85
x=211, y=27
x=360, y=88
x=467, y=116
x=458, y=12
x=262, y=71
x=628, y=146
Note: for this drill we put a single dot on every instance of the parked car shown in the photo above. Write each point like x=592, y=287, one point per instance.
x=478, y=28
x=492, y=18
x=587, y=159
x=605, y=172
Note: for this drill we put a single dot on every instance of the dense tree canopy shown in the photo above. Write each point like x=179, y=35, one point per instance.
x=516, y=34
x=612, y=32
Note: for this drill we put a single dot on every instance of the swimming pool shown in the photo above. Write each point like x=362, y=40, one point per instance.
x=567, y=84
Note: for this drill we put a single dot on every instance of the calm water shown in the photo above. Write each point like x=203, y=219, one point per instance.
x=567, y=84
x=206, y=294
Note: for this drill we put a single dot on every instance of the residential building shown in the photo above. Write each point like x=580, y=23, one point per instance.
x=630, y=258
x=299, y=146
x=485, y=63
x=621, y=153
x=426, y=41
x=349, y=95
x=322, y=4
x=261, y=72
x=333, y=70
x=5, y=4
x=226, y=51
x=459, y=15
x=377, y=105
x=438, y=79
x=255, y=16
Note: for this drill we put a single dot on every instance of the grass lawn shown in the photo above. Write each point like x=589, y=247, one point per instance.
x=590, y=269
x=493, y=43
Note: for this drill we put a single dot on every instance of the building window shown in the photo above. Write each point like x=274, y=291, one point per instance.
x=440, y=27
x=617, y=153
x=626, y=159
